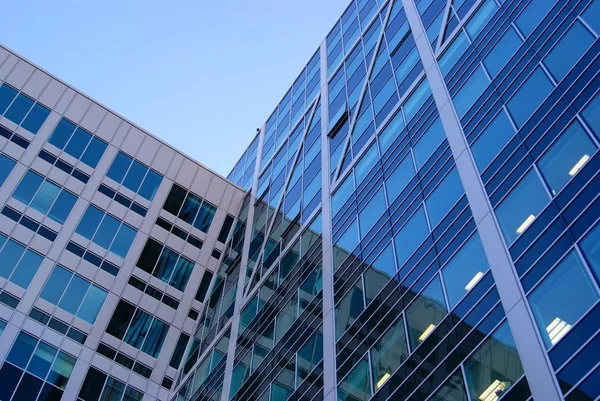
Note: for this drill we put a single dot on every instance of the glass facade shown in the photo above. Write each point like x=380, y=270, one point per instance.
x=418, y=219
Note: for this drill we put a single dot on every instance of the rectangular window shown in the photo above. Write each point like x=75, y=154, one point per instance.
x=19, y=264
x=106, y=231
x=470, y=92
x=503, y=51
x=165, y=264
x=99, y=386
x=21, y=109
x=225, y=228
x=74, y=294
x=190, y=208
x=179, y=350
x=410, y=236
x=6, y=166
x=138, y=328
x=77, y=142
x=134, y=176
x=444, y=197
x=529, y=96
x=569, y=49
x=45, y=197
x=533, y=14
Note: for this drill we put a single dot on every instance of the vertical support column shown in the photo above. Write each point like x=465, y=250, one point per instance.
x=329, y=376
x=239, y=294
x=536, y=364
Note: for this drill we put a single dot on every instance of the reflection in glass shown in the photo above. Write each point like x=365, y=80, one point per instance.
x=425, y=313
x=356, y=386
x=388, y=353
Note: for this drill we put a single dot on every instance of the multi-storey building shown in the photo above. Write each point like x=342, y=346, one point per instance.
x=417, y=220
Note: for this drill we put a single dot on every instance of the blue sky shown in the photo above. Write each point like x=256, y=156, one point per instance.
x=201, y=75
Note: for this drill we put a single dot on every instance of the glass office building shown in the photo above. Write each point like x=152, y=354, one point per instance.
x=418, y=219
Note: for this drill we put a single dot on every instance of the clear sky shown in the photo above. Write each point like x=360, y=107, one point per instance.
x=201, y=75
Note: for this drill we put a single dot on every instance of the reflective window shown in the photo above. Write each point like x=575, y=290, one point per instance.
x=379, y=273
x=74, y=294
x=416, y=100
x=399, y=178
x=391, y=131
x=286, y=318
x=23, y=110
x=425, y=313
x=491, y=141
x=562, y=298
x=366, y=163
x=453, y=53
x=591, y=14
x=502, y=52
x=309, y=357
x=522, y=205
x=590, y=247
x=388, y=353
x=462, y=273
x=470, y=92
x=529, y=96
x=341, y=195
x=481, y=17
x=533, y=14
x=569, y=49
x=19, y=264
x=345, y=245
x=411, y=236
x=356, y=386
x=165, y=264
x=452, y=390
x=45, y=197
x=444, y=197
x=190, y=208
x=6, y=166
x=134, y=176
x=348, y=309
x=591, y=114
x=566, y=157
x=106, y=231
x=77, y=142
x=494, y=367
x=428, y=143
x=371, y=213
x=100, y=386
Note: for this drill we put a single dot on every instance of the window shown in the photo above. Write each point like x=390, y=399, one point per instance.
x=416, y=100
x=371, y=213
x=286, y=318
x=471, y=91
x=21, y=109
x=566, y=157
x=345, y=244
x=19, y=264
x=452, y=390
x=533, y=14
x=425, y=313
x=100, y=386
x=462, y=273
x=494, y=367
x=399, y=178
x=165, y=264
x=590, y=247
x=34, y=370
x=522, y=205
x=74, y=294
x=591, y=14
x=492, y=140
x=503, y=51
x=138, y=329
x=134, y=176
x=341, y=195
x=379, y=273
x=6, y=166
x=106, y=231
x=529, y=96
x=591, y=114
x=481, y=17
x=356, y=386
x=225, y=229
x=444, y=197
x=190, y=208
x=453, y=53
x=569, y=49
x=45, y=197
x=348, y=309
x=179, y=350
x=77, y=142
x=309, y=357
x=428, y=143
x=388, y=353
x=562, y=298
x=411, y=236
x=391, y=131
x=366, y=163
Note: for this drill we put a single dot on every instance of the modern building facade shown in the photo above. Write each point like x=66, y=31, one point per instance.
x=418, y=219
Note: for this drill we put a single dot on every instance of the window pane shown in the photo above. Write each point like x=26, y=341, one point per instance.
x=45, y=197
x=415, y=101
x=452, y=390
x=566, y=157
x=345, y=245
x=205, y=217
x=92, y=304
x=562, y=298
x=150, y=185
x=464, y=270
x=491, y=141
x=391, y=131
x=428, y=143
x=372, y=211
x=137, y=331
x=349, y=308
x=529, y=96
x=522, y=205
x=591, y=114
x=107, y=231
x=569, y=49
x=17, y=111
x=494, y=367
x=78, y=143
x=309, y=356
x=591, y=249
x=74, y=294
x=26, y=269
x=22, y=350
x=28, y=187
x=156, y=338
x=89, y=222
x=62, y=133
x=56, y=284
x=63, y=206
x=425, y=313
x=41, y=360
x=502, y=52
x=286, y=318
x=341, y=195
x=366, y=163
x=61, y=370
x=6, y=166
x=119, y=167
x=455, y=51
x=444, y=197
x=470, y=92
x=481, y=17
x=94, y=152
x=190, y=208
x=7, y=95
x=399, y=178
x=120, y=319
x=36, y=117
x=356, y=386
x=411, y=236
x=533, y=14
x=591, y=15
x=135, y=176
x=182, y=274
x=10, y=256
x=123, y=241
x=388, y=353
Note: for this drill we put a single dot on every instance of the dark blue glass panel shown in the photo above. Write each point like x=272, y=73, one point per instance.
x=150, y=185
x=119, y=167
x=7, y=95
x=36, y=118
x=19, y=109
x=62, y=133
x=28, y=187
x=78, y=143
x=135, y=176
x=6, y=166
x=94, y=152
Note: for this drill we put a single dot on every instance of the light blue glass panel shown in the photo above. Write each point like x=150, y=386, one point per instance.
x=135, y=176
x=342, y=194
x=416, y=100
x=562, y=298
x=56, y=284
x=61, y=370
x=428, y=143
x=533, y=14
x=89, y=222
x=119, y=167
x=345, y=244
x=399, y=178
x=63, y=206
x=391, y=131
x=502, y=52
x=411, y=236
x=592, y=15
x=41, y=360
x=569, y=49
x=566, y=157
x=45, y=197
x=491, y=141
x=407, y=65
x=150, y=185
x=10, y=256
x=470, y=92
x=123, y=241
x=28, y=187
x=26, y=269
x=107, y=231
x=453, y=53
x=92, y=304
x=529, y=96
x=481, y=18
x=522, y=205
x=6, y=166
x=74, y=294
x=444, y=197
x=369, y=215
x=366, y=163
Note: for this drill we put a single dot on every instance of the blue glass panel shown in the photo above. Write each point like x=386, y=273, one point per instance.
x=345, y=244
x=391, y=131
x=371, y=212
x=470, y=92
x=119, y=167
x=190, y=208
x=123, y=241
x=481, y=17
x=94, y=152
x=529, y=96
x=156, y=338
x=89, y=222
x=36, y=118
x=56, y=284
x=62, y=133
x=491, y=141
x=45, y=197
x=502, y=52
x=10, y=255
x=6, y=166
x=453, y=53
x=22, y=350
x=591, y=114
x=533, y=14
x=182, y=274
x=18, y=110
x=205, y=217
x=78, y=143
x=62, y=207
x=591, y=16
x=165, y=265
x=74, y=294
x=92, y=304
x=42, y=360
x=366, y=163
x=444, y=197
x=520, y=208
x=7, y=95
x=150, y=185
x=590, y=247
x=341, y=195
x=28, y=187
x=135, y=176
x=411, y=236
x=107, y=231
x=399, y=178
x=569, y=49
x=416, y=100
x=425, y=313
x=428, y=143
x=138, y=329
x=26, y=269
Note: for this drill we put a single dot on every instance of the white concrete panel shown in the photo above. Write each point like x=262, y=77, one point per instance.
x=52, y=93
x=77, y=108
x=36, y=84
x=147, y=150
x=20, y=74
x=64, y=101
x=132, y=141
x=163, y=159
x=7, y=66
x=108, y=127
x=93, y=117
x=186, y=173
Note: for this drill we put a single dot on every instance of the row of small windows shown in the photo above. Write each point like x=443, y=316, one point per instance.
x=153, y=292
x=134, y=206
x=77, y=142
x=189, y=238
x=190, y=208
x=29, y=223
x=92, y=258
x=66, y=167
x=124, y=360
x=135, y=176
x=100, y=386
x=21, y=109
x=57, y=325
x=14, y=138
x=165, y=264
